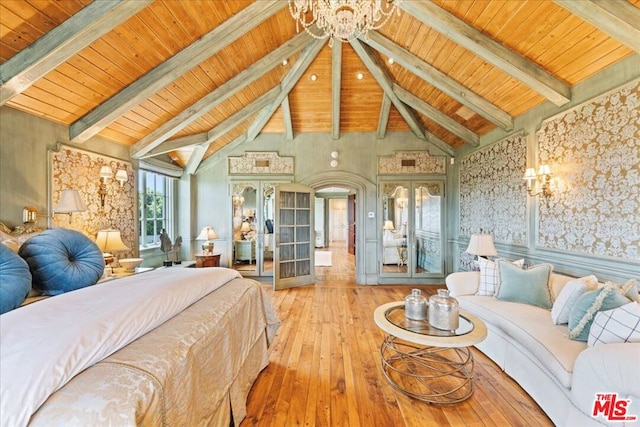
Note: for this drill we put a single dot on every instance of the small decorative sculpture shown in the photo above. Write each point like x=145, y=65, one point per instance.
x=176, y=248
x=165, y=246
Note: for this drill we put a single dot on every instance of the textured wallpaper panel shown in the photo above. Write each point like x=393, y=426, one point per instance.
x=79, y=169
x=594, y=154
x=493, y=197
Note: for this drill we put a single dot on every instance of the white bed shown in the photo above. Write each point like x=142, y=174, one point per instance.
x=175, y=346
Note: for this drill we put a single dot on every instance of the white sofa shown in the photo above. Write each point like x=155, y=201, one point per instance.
x=562, y=375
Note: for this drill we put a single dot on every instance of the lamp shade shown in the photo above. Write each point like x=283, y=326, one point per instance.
x=207, y=233
x=121, y=176
x=70, y=201
x=388, y=225
x=110, y=241
x=245, y=227
x=481, y=245
x=106, y=172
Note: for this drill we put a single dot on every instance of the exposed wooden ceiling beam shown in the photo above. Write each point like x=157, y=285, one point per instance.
x=619, y=19
x=437, y=116
x=198, y=51
x=230, y=123
x=336, y=86
x=386, y=83
x=62, y=42
x=223, y=151
x=219, y=95
x=493, y=52
x=286, y=116
x=440, y=80
x=195, y=159
x=206, y=138
x=288, y=82
x=383, y=119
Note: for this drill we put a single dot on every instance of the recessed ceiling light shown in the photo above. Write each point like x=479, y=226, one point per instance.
x=359, y=76
x=285, y=61
x=313, y=77
x=390, y=61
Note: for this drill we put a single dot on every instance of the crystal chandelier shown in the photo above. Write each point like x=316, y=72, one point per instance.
x=342, y=19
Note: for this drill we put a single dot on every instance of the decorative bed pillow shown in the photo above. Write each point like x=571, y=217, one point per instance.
x=621, y=324
x=530, y=286
x=489, y=279
x=62, y=260
x=608, y=297
x=568, y=297
x=15, y=280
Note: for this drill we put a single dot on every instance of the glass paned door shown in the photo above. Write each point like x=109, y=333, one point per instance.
x=294, y=263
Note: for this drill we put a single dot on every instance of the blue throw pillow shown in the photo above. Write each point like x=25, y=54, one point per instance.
x=530, y=286
x=15, y=280
x=62, y=260
x=583, y=312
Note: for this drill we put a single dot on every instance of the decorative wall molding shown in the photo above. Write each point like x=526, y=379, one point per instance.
x=411, y=162
x=80, y=169
x=260, y=163
x=594, y=154
x=493, y=197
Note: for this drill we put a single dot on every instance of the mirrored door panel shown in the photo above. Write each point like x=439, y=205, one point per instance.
x=411, y=228
x=245, y=227
x=427, y=235
x=395, y=225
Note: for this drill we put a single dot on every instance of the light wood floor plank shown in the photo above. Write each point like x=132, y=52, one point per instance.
x=325, y=365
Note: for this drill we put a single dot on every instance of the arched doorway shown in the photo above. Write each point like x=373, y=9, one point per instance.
x=363, y=191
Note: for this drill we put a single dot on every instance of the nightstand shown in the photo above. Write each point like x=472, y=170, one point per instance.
x=207, y=260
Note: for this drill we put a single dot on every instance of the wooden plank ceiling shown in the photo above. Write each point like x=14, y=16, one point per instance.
x=180, y=80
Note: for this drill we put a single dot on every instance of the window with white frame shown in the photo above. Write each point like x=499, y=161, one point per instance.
x=155, y=207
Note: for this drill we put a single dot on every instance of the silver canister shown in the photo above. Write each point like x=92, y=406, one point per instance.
x=444, y=311
x=415, y=306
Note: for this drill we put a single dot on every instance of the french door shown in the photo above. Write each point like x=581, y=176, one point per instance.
x=412, y=241
x=295, y=236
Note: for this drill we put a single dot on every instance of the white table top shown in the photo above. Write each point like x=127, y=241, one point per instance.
x=478, y=334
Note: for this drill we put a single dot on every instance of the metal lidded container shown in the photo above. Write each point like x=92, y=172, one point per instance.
x=444, y=311
x=415, y=306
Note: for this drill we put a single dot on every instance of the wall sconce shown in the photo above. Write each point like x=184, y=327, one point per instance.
x=544, y=176
x=70, y=202
x=105, y=173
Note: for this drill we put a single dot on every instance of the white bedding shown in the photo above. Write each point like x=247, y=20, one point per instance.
x=44, y=345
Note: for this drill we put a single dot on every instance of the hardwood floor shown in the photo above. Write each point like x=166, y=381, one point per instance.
x=325, y=366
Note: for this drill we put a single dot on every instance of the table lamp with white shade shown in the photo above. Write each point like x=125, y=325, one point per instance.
x=481, y=245
x=208, y=235
x=110, y=242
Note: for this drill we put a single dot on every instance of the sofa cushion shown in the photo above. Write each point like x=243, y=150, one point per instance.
x=530, y=286
x=606, y=298
x=489, y=278
x=15, y=280
x=568, y=297
x=620, y=324
x=531, y=328
x=62, y=260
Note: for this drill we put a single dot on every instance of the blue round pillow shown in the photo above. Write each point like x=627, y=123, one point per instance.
x=15, y=280
x=62, y=260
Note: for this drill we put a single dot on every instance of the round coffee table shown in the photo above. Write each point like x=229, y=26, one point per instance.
x=426, y=363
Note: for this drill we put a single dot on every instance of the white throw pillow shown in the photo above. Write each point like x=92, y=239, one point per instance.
x=489, y=278
x=618, y=325
x=568, y=297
